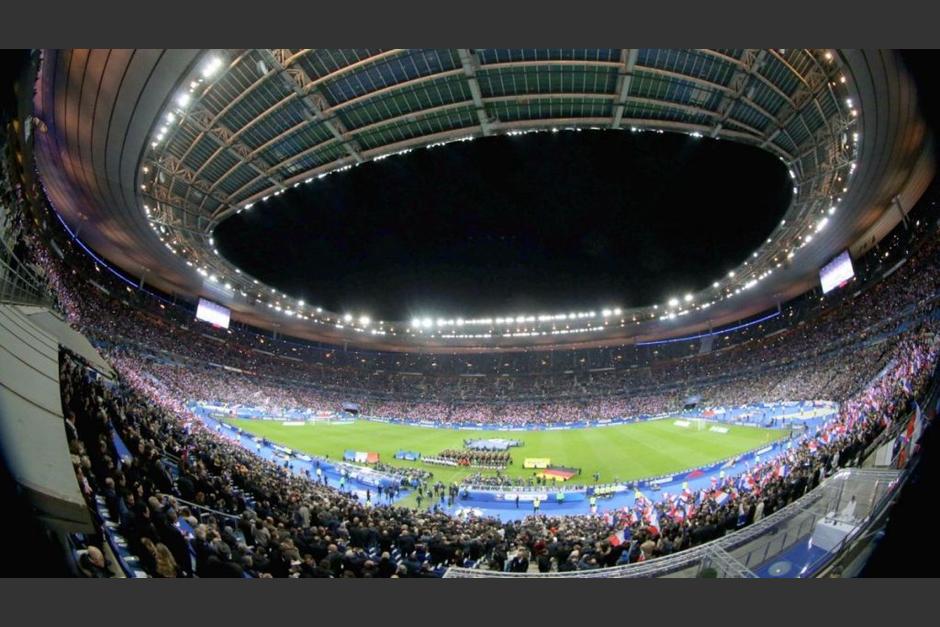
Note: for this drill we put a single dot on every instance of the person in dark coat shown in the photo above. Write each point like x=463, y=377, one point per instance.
x=220, y=564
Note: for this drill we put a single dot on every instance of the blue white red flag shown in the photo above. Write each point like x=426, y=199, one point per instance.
x=620, y=537
x=653, y=520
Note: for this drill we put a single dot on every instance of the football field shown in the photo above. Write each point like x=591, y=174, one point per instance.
x=618, y=453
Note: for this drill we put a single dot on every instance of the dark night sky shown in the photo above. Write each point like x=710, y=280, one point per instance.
x=505, y=225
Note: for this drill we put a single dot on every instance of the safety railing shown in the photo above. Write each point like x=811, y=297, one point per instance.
x=19, y=283
x=741, y=553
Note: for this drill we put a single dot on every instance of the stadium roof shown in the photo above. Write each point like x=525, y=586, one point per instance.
x=145, y=152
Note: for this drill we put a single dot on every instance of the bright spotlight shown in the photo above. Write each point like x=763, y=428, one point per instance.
x=211, y=67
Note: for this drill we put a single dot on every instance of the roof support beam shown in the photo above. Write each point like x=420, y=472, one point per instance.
x=457, y=105
x=546, y=123
x=202, y=121
x=173, y=167
x=628, y=59
x=418, y=82
x=283, y=102
x=315, y=104
x=470, y=61
x=752, y=60
x=332, y=111
x=174, y=206
x=317, y=114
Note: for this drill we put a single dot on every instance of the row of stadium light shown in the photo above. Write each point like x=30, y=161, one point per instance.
x=209, y=69
x=427, y=323
x=176, y=115
x=749, y=280
x=674, y=308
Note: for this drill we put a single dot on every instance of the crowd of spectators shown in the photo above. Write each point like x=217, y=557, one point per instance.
x=290, y=526
x=827, y=376
x=214, y=472
x=578, y=542
x=192, y=502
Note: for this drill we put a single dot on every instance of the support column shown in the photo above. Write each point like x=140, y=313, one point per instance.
x=896, y=201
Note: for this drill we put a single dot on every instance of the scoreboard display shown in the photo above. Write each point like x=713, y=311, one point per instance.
x=836, y=272
x=213, y=313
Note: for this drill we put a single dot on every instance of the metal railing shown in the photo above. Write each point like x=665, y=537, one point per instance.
x=198, y=509
x=739, y=553
x=20, y=284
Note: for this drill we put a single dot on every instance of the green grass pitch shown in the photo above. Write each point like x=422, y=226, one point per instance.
x=623, y=452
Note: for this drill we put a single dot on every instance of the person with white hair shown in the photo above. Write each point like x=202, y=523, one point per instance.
x=93, y=564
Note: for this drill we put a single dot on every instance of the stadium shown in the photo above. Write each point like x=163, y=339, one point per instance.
x=464, y=313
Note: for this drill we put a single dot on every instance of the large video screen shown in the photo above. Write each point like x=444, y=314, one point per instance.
x=836, y=272
x=212, y=313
